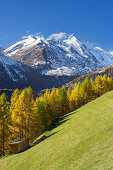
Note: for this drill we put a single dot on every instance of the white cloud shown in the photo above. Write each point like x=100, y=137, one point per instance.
x=111, y=52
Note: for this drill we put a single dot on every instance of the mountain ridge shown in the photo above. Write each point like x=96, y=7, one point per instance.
x=14, y=74
x=50, y=62
x=60, y=54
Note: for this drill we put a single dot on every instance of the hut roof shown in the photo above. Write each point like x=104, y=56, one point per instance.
x=17, y=142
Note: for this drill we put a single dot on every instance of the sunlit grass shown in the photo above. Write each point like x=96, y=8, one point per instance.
x=82, y=139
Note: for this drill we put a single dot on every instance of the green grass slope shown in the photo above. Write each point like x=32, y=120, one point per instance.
x=83, y=139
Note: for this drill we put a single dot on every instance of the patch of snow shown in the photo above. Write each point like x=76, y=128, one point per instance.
x=98, y=48
x=38, y=62
x=10, y=73
x=21, y=76
x=8, y=64
x=7, y=61
x=63, y=71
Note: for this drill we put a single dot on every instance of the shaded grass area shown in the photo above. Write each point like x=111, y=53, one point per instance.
x=42, y=139
x=57, y=122
x=82, y=139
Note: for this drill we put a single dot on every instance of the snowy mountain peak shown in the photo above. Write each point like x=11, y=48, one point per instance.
x=61, y=36
x=27, y=43
x=29, y=37
x=32, y=37
x=72, y=35
x=59, y=54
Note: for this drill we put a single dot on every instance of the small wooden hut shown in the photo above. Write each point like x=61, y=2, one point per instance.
x=18, y=146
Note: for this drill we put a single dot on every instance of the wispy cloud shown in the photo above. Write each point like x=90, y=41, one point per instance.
x=111, y=52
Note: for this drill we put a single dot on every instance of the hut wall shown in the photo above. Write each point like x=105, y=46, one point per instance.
x=23, y=145
x=13, y=148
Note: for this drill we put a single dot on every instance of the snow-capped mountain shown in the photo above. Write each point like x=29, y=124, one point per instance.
x=14, y=74
x=60, y=54
x=13, y=69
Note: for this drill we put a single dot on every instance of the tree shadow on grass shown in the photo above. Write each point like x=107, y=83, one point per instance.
x=57, y=122
x=60, y=120
x=42, y=139
x=54, y=125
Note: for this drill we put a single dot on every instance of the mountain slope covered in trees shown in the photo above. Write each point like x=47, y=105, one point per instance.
x=81, y=140
x=27, y=117
x=106, y=70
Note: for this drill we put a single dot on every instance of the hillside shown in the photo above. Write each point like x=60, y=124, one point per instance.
x=82, y=139
x=106, y=70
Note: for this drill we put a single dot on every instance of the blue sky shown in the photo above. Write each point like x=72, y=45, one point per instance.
x=88, y=19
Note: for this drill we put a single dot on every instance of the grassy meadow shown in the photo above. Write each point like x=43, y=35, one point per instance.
x=82, y=139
